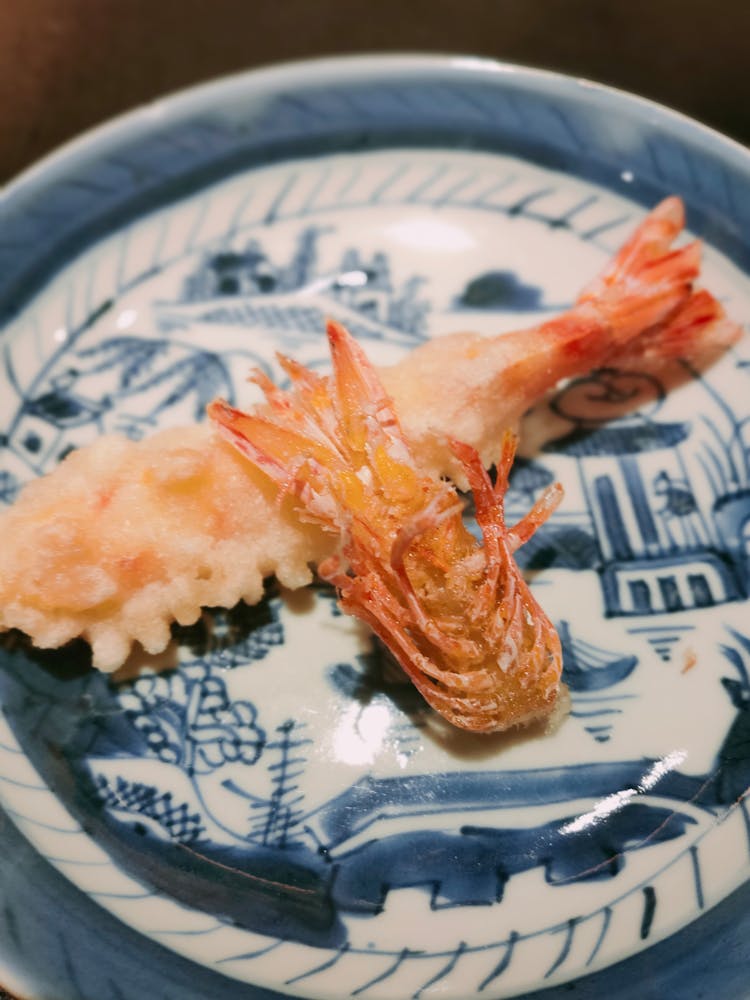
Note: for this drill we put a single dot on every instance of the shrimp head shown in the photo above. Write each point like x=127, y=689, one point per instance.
x=454, y=612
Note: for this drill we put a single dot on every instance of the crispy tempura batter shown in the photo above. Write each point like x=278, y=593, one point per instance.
x=123, y=538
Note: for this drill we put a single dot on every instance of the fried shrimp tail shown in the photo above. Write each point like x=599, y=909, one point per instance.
x=639, y=305
x=454, y=612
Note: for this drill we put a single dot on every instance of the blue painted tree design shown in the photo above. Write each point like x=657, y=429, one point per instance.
x=275, y=822
x=164, y=367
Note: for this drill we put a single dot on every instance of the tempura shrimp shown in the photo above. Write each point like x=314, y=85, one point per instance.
x=123, y=538
x=456, y=615
x=642, y=310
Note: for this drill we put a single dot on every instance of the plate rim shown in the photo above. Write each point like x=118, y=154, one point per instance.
x=271, y=77
x=180, y=104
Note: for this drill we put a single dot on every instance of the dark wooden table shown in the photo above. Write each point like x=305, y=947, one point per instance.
x=67, y=66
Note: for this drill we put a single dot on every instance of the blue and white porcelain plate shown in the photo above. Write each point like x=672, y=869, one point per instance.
x=269, y=809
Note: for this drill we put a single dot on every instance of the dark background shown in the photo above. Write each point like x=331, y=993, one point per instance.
x=66, y=65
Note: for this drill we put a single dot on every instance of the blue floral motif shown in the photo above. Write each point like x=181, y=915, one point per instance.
x=188, y=719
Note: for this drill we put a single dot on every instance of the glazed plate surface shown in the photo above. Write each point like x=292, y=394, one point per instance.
x=268, y=809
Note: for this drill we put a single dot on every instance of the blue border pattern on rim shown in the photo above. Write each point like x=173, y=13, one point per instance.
x=100, y=958
x=159, y=154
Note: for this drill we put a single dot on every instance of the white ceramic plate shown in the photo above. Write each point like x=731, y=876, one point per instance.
x=277, y=812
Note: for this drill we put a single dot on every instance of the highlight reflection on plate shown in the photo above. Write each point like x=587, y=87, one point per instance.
x=278, y=808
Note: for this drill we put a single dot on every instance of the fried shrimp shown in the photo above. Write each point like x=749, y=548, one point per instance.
x=456, y=614
x=642, y=307
x=123, y=538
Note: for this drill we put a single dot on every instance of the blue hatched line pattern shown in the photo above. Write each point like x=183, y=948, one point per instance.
x=649, y=909
x=424, y=185
x=697, y=878
x=242, y=204
x=604, y=227
x=349, y=182
x=78, y=862
x=316, y=189
x=200, y=215
x=567, y=217
x=521, y=206
x=481, y=200
x=34, y=821
x=606, y=918
x=379, y=192
x=122, y=256
x=159, y=932
x=105, y=894
x=455, y=190
x=307, y=110
x=275, y=208
x=7, y=748
x=88, y=185
x=400, y=958
x=503, y=964
x=441, y=974
x=138, y=171
x=39, y=350
x=159, y=244
x=565, y=950
x=37, y=787
x=595, y=713
x=567, y=125
x=70, y=319
x=257, y=953
x=733, y=207
x=467, y=100
x=653, y=628
x=323, y=967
